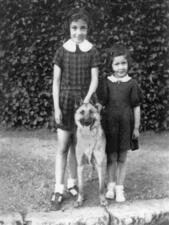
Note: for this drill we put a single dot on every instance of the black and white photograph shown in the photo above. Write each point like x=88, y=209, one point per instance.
x=84, y=112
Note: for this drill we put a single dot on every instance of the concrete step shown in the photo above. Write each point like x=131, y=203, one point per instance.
x=141, y=212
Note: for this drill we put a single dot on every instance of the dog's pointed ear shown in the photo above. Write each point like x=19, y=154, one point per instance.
x=81, y=101
x=77, y=102
x=99, y=107
x=94, y=99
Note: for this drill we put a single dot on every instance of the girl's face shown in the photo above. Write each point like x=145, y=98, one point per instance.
x=120, y=66
x=78, y=31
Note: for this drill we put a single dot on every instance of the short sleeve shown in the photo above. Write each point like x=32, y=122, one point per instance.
x=95, y=61
x=135, y=94
x=58, y=57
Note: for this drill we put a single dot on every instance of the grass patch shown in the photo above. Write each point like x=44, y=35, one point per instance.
x=27, y=170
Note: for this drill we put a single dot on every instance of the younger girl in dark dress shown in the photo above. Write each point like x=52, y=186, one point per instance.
x=121, y=97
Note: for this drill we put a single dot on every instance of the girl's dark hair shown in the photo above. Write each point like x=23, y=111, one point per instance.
x=119, y=50
x=77, y=14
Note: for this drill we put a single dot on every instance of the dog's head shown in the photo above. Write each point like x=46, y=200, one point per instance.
x=88, y=115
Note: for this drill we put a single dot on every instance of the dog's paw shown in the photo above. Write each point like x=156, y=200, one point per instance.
x=78, y=204
x=103, y=201
x=79, y=201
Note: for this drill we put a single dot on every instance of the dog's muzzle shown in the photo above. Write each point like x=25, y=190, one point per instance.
x=87, y=122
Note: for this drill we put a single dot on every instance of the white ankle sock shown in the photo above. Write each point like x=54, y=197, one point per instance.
x=111, y=186
x=59, y=188
x=120, y=197
x=121, y=187
x=110, y=190
x=71, y=183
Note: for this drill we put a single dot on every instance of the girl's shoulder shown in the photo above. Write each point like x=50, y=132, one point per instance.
x=103, y=80
x=59, y=50
x=134, y=81
x=94, y=49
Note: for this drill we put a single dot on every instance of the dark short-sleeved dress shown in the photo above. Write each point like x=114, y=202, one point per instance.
x=75, y=80
x=119, y=99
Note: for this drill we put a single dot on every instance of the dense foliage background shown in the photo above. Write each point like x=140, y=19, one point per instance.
x=32, y=30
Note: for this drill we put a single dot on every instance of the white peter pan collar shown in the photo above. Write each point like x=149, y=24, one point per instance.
x=70, y=45
x=114, y=79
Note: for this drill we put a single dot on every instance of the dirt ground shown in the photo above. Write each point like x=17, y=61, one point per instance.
x=27, y=170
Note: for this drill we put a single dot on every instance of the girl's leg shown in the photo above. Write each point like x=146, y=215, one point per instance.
x=112, y=173
x=72, y=180
x=60, y=165
x=61, y=155
x=112, y=167
x=121, y=167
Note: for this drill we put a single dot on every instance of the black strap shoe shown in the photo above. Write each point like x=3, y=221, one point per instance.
x=56, y=200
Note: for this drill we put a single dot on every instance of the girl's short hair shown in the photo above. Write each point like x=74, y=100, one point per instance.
x=119, y=50
x=77, y=14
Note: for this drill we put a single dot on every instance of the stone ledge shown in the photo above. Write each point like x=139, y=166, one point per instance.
x=81, y=216
x=11, y=219
x=141, y=212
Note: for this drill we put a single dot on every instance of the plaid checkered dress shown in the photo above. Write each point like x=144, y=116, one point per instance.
x=75, y=80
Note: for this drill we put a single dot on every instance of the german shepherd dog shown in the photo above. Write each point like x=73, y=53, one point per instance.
x=90, y=147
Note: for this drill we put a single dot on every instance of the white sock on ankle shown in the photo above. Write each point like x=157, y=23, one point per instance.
x=111, y=186
x=59, y=188
x=119, y=190
x=71, y=183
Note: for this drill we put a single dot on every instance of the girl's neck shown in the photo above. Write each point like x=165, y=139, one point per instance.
x=77, y=43
x=118, y=77
x=114, y=79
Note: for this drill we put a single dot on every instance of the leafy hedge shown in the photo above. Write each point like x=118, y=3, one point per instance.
x=32, y=30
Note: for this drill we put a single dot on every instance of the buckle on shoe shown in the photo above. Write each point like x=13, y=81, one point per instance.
x=73, y=191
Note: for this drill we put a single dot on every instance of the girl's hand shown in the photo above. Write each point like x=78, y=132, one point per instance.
x=58, y=116
x=136, y=133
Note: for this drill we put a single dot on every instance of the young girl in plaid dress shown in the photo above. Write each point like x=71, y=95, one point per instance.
x=75, y=75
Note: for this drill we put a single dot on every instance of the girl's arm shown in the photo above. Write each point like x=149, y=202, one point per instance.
x=136, y=121
x=56, y=92
x=93, y=84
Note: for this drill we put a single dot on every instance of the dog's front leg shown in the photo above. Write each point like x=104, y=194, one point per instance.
x=101, y=175
x=80, y=197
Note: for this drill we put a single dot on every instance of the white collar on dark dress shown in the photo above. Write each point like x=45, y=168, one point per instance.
x=114, y=79
x=70, y=46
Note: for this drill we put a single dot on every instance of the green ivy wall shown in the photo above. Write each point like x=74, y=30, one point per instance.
x=31, y=31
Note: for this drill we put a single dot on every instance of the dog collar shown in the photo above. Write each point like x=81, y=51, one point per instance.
x=71, y=46
x=114, y=79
